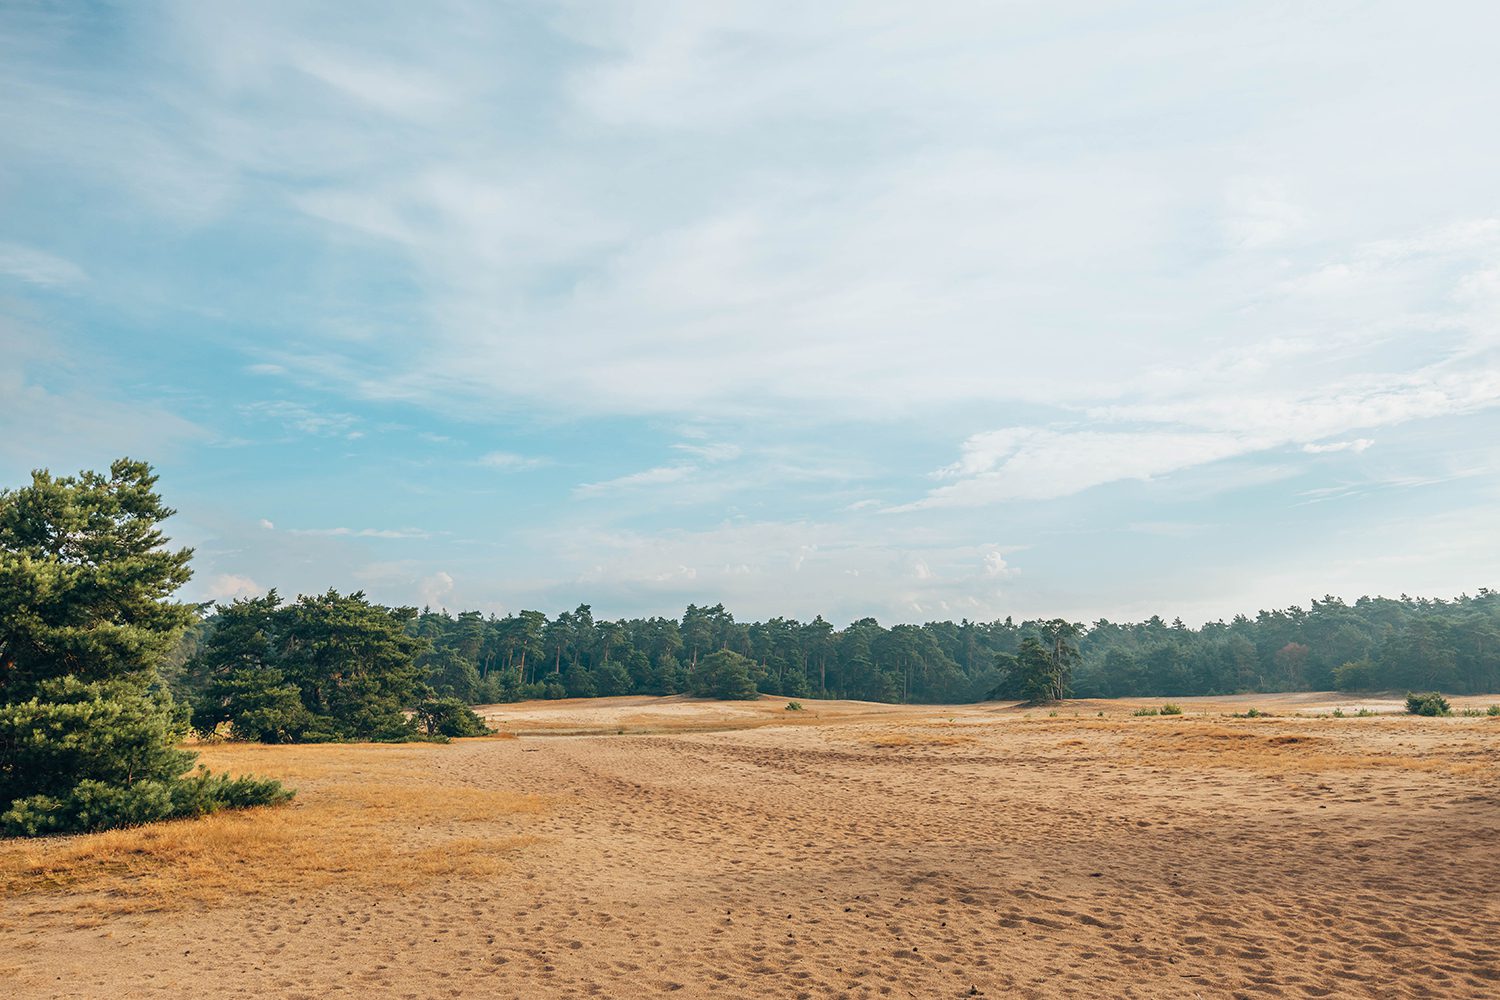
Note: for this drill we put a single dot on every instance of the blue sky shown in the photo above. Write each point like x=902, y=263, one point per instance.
x=1092, y=309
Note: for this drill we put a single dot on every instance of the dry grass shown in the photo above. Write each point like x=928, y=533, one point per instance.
x=366, y=815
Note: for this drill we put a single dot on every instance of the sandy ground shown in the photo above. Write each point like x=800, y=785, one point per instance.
x=847, y=850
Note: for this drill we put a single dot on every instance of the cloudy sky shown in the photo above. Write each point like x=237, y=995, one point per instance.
x=918, y=311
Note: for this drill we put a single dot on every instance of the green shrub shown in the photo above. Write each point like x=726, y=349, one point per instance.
x=449, y=716
x=794, y=706
x=1493, y=710
x=1170, y=709
x=1428, y=703
x=1146, y=711
x=1338, y=713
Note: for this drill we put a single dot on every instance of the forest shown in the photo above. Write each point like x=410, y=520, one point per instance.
x=1375, y=643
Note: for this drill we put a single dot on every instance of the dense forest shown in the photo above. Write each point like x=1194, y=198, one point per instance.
x=1373, y=643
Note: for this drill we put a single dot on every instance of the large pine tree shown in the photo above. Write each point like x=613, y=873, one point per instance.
x=88, y=734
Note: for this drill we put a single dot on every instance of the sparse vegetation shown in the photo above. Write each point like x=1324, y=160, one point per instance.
x=794, y=706
x=1170, y=709
x=1493, y=710
x=1430, y=703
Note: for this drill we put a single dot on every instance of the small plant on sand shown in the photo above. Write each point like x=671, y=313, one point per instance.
x=1493, y=710
x=1363, y=713
x=1171, y=709
x=1428, y=703
x=1338, y=713
x=1250, y=713
x=794, y=706
x=1146, y=711
x=1052, y=715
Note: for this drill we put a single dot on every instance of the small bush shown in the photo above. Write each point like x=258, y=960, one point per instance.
x=1146, y=711
x=1493, y=710
x=1251, y=713
x=1338, y=713
x=1472, y=713
x=449, y=717
x=1171, y=709
x=1429, y=703
x=794, y=706
x=1364, y=713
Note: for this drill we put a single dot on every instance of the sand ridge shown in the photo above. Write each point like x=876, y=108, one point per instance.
x=871, y=851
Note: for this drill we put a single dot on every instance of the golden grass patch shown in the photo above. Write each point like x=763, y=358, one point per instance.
x=365, y=816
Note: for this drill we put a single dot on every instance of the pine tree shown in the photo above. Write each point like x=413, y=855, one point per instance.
x=88, y=734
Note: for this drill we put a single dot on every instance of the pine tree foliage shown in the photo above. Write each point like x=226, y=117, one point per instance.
x=88, y=734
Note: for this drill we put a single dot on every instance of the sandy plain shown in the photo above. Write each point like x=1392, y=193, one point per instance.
x=638, y=847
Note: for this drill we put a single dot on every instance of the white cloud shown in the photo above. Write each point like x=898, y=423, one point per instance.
x=1031, y=463
x=510, y=461
x=661, y=475
x=432, y=589
x=37, y=267
x=228, y=586
x=1357, y=445
x=302, y=419
x=717, y=452
x=388, y=533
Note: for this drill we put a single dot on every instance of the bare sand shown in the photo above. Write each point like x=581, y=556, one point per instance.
x=740, y=850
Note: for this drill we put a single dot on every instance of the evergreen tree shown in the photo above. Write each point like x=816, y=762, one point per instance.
x=724, y=674
x=88, y=732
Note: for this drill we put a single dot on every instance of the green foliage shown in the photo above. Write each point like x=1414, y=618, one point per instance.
x=326, y=667
x=88, y=735
x=1171, y=709
x=724, y=674
x=449, y=716
x=1338, y=713
x=1493, y=710
x=1429, y=703
x=1038, y=672
x=1146, y=712
x=1370, y=644
x=794, y=706
x=1251, y=713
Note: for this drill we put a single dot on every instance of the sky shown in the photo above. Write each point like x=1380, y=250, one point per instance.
x=957, y=310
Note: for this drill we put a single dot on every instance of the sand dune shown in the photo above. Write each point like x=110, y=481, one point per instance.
x=848, y=850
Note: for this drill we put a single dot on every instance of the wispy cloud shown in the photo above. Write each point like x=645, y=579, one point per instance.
x=661, y=475
x=510, y=461
x=362, y=532
x=303, y=419
x=36, y=267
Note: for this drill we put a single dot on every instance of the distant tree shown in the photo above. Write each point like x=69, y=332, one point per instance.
x=237, y=681
x=448, y=716
x=724, y=674
x=1029, y=675
x=88, y=732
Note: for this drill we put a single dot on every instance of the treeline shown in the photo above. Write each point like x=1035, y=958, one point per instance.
x=1374, y=643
